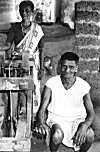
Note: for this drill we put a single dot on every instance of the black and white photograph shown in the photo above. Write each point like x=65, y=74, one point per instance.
x=49, y=75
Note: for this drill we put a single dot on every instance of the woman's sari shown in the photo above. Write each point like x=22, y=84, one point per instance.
x=28, y=47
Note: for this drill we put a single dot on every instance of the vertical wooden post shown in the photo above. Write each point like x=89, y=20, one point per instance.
x=29, y=114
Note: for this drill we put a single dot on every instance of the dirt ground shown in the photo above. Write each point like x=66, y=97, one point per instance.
x=39, y=146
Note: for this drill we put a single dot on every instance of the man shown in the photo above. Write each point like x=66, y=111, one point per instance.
x=70, y=110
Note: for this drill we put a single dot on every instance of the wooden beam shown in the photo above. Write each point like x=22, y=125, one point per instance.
x=29, y=114
x=13, y=144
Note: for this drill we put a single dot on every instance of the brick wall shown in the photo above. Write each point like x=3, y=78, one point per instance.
x=87, y=32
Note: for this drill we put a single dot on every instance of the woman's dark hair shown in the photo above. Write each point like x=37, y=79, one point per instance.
x=70, y=56
x=24, y=4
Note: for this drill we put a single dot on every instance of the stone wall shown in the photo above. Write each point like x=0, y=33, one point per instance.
x=68, y=11
x=87, y=32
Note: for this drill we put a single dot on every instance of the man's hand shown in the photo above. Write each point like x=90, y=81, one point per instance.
x=80, y=136
x=42, y=129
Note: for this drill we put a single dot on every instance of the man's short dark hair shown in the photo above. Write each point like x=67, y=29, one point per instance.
x=70, y=56
x=24, y=4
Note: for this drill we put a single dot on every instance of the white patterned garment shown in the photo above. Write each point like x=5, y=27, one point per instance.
x=30, y=44
x=66, y=107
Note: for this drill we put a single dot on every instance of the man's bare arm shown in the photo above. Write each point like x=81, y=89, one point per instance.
x=80, y=135
x=41, y=126
x=43, y=106
x=89, y=109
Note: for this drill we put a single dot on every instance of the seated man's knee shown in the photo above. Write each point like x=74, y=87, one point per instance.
x=90, y=135
x=57, y=134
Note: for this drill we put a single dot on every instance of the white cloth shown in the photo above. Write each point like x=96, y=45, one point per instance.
x=66, y=107
x=31, y=39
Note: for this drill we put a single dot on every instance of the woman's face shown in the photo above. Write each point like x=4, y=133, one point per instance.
x=26, y=13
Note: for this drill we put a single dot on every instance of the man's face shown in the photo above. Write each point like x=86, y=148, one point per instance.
x=26, y=13
x=68, y=68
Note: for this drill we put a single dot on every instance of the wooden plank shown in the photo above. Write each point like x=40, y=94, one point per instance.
x=14, y=139
x=16, y=83
x=29, y=114
x=13, y=144
x=21, y=126
x=21, y=129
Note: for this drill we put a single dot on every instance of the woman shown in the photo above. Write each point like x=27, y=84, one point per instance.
x=19, y=30
x=26, y=36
